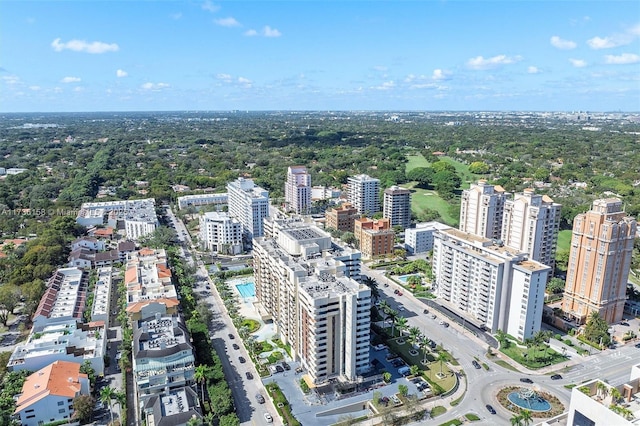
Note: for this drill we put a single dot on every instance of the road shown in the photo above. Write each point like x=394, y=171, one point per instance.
x=482, y=386
x=244, y=391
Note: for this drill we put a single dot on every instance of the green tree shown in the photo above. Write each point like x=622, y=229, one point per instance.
x=200, y=376
x=525, y=416
x=442, y=358
x=414, y=370
x=403, y=390
x=106, y=395
x=596, y=330
x=516, y=420
x=555, y=285
x=373, y=285
x=82, y=408
x=402, y=324
x=479, y=168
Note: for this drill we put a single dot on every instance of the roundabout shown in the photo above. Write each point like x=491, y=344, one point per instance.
x=540, y=403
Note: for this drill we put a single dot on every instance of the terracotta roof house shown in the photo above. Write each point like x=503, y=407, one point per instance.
x=47, y=395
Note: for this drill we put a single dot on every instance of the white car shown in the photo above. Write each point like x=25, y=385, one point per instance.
x=268, y=418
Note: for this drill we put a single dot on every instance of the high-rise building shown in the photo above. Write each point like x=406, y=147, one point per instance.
x=220, y=233
x=250, y=205
x=599, y=262
x=297, y=190
x=363, y=192
x=322, y=313
x=341, y=218
x=420, y=239
x=481, y=209
x=376, y=238
x=530, y=224
x=489, y=284
x=397, y=206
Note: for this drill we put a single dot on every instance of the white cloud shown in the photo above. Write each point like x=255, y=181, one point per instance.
x=224, y=77
x=78, y=89
x=533, y=70
x=121, y=73
x=559, y=43
x=438, y=74
x=615, y=40
x=244, y=82
x=11, y=79
x=210, y=7
x=251, y=33
x=601, y=43
x=227, y=22
x=625, y=58
x=271, y=32
x=387, y=85
x=34, y=88
x=380, y=68
x=83, y=46
x=71, y=80
x=154, y=86
x=480, y=63
x=578, y=63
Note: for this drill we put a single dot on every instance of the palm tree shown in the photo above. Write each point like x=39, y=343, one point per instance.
x=601, y=389
x=121, y=398
x=615, y=394
x=516, y=420
x=392, y=314
x=501, y=337
x=525, y=416
x=424, y=344
x=402, y=323
x=414, y=335
x=442, y=357
x=106, y=395
x=384, y=306
x=373, y=285
x=200, y=376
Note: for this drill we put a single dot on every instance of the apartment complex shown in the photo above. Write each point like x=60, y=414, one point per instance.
x=163, y=358
x=363, y=192
x=249, y=204
x=420, y=239
x=530, y=224
x=599, y=262
x=489, y=283
x=375, y=236
x=65, y=297
x=47, y=395
x=220, y=233
x=297, y=190
x=137, y=217
x=341, y=218
x=198, y=200
x=322, y=313
x=397, y=206
x=481, y=209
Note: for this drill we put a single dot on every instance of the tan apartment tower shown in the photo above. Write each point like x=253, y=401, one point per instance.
x=297, y=190
x=481, y=210
x=530, y=224
x=376, y=237
x=363, y=193
x=599, y=262
x=397, y=206
x=341, y=218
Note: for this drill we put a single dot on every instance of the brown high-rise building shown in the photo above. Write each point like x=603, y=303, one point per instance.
x=341, y=218
x=376, y=237
x=599, y=262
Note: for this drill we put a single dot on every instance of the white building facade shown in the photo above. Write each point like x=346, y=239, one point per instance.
x=220, y=233
x=420, y=239
x=249, y=204
x=397, y=206
x=481, y=209
x=363, y=192
x=490, y=284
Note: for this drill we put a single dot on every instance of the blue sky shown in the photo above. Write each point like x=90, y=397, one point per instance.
x=319, y=55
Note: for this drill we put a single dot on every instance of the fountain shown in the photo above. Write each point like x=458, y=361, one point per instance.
x=529, y=400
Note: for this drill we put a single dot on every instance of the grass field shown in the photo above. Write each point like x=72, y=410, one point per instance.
x=463, y=171
x=422, y=199
x=414, y=161
x=564, y=240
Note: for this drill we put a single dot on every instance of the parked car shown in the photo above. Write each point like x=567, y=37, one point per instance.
x=475, y=364
x=384, y=401
x=526, y=380
x=556, y=377
x=279, y=369
x=249, y=375
x=396, y=400
x=235, y=346
x=268, y=418
x=445, y=324
x=490, y=409
x=286, y=366
x=425, y=311
x=260, y=398
x=231, y=336
x=242, y=360
x=396, y=291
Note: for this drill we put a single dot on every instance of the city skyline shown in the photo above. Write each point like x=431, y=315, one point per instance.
x=310, y=55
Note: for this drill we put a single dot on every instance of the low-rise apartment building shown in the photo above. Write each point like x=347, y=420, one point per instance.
x=198, y=200
x=420, y=239
x=341, y=218
x=375, y=237
x=220, y=233
x=137, y=217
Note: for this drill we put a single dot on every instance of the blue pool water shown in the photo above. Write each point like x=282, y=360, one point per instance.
x=247, y=289
x=537, y=403
x=404, y=278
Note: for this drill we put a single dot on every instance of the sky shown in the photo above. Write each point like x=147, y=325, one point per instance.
x=135, y=55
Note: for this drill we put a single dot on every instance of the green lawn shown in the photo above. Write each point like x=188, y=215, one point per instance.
x=533, y=358
x=564, y=240
x=463, y=171
x=422, y=199
x=414, y=161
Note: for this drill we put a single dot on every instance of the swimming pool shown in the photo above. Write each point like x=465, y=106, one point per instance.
x=404, y=278
x=247, y=289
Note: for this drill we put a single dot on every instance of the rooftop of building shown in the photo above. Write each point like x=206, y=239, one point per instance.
x=65, y=294
x=177, y=406
x=328, y=286
x=622, y=400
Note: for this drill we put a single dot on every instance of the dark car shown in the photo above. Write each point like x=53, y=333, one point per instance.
x=425, y=311
x=249, y=375
x=396, y=291
x=384, y=401
x=231, y=336
x=475, y=364
x=208, y=287
x=279, y=369
x=260, y=398
x=242, y=360
x=637, y=345
x=286, y=366
x=556, y=377
x=490, y=409
x=235, y=346
x=526, y=380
